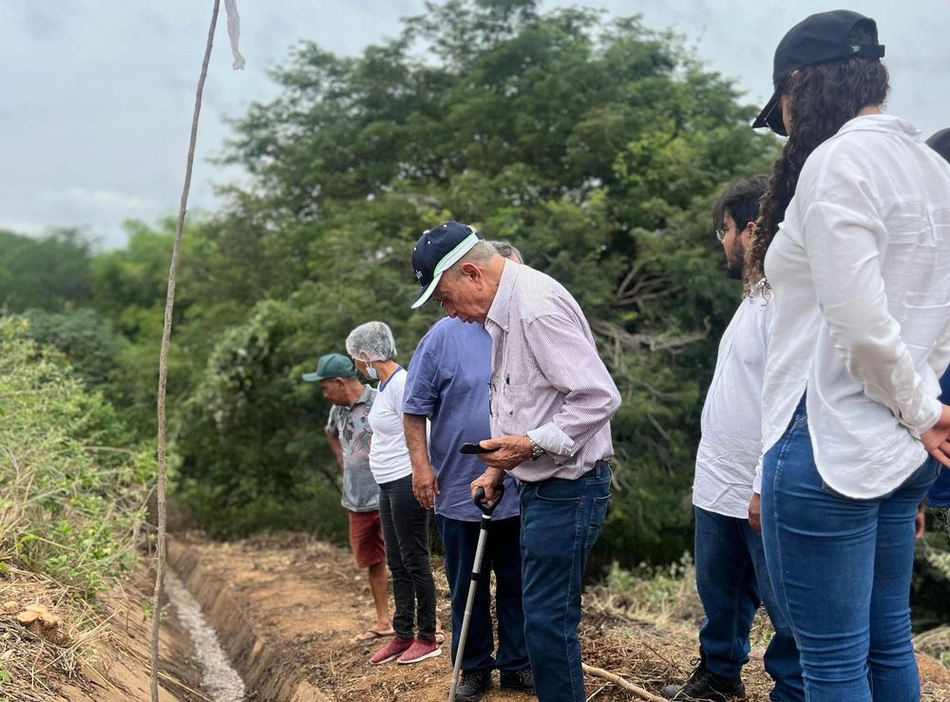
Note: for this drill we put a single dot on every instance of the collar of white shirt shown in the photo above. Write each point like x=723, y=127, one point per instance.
x=880, y=123
x=500, y=310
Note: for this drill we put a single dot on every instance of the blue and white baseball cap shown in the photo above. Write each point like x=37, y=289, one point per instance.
x=437, y=250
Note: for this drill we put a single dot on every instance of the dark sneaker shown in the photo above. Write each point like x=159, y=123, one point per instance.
x=518, y=680
x=474, y=684
x=705, y=687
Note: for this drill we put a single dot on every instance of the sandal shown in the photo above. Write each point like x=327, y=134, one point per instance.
x=371, y=634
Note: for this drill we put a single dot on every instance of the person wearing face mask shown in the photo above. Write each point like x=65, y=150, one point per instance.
x=856, y=223
x=405, y=522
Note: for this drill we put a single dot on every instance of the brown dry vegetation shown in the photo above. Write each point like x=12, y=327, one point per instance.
x=95, y=654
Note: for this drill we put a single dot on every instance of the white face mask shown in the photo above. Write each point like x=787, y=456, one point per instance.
x=371, y=372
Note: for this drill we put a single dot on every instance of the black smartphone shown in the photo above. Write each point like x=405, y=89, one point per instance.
x=473, y=448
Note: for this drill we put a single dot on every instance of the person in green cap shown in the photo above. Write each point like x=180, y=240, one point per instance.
x=349, y=435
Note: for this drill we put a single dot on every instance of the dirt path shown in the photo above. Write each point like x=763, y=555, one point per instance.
x=306, y=601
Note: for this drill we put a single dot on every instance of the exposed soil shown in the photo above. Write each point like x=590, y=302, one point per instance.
x=308, y=601
x=287, y=609
x=305, y=601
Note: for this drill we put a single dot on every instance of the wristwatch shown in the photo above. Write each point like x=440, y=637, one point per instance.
x=536, y=450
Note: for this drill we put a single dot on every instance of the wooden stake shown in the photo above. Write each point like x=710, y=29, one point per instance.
x=163, y=359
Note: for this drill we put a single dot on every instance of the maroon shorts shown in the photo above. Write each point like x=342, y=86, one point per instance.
x=366, y=539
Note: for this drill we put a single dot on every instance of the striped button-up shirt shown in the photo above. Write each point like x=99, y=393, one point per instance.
x=547, y=379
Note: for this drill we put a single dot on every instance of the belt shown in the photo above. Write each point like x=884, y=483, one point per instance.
x=594, y=472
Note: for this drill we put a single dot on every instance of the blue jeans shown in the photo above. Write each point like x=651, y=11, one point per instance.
x=560, y=521
x=732, y=580
x=841, y=571
x=503, y=555
x=939, y=495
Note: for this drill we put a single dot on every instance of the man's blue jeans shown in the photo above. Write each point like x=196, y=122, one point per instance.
x=841, y=571
x=503, y=555
x=732, y=580
x=560, y=521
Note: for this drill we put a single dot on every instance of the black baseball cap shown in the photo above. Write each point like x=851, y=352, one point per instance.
x=824, y=37
x=437, y=250
x=940, y=142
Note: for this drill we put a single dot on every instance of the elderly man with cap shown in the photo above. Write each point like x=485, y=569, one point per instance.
x=349, y=435
x=448, y=386
x=551, y=399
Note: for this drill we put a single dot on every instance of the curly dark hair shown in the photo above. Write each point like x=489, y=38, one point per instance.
x=821, y=98
x=740, y=201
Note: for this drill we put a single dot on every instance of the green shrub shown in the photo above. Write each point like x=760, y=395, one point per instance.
x=72, y=494
x=199, y=505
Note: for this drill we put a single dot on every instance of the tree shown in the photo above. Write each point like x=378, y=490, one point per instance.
x=86, y=342
x=596, y=145
x=49, y=273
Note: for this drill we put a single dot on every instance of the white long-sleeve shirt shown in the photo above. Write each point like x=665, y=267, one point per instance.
x=860, y=272
x=732, y=414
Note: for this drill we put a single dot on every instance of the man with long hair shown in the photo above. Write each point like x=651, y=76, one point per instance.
x=731, y=575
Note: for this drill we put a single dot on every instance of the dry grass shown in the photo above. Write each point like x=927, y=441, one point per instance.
x=935, y=643
x=644, y=627
x=36, y=665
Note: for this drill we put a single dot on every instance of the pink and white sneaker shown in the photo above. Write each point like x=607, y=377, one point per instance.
x=419, y=651
x=392, y=650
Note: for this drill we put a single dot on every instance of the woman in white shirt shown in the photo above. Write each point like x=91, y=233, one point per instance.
x=856, y=222
x=405, y=522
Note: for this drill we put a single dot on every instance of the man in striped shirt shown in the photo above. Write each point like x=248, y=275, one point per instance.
x=551, y=399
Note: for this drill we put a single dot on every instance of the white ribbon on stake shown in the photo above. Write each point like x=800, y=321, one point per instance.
x=234, y=33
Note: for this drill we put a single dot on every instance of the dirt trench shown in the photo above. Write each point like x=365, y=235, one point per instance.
x=268, y=672
x=287, y=608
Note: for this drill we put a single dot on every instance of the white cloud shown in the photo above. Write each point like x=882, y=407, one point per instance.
x=22, y=226
x=99, y=200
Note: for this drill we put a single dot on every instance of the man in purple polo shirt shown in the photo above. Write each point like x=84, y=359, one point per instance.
x=448, y=385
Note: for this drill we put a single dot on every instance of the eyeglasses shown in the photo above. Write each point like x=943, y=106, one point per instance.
x=721, y=234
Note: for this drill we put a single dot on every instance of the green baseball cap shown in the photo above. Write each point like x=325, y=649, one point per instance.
x=333, y=365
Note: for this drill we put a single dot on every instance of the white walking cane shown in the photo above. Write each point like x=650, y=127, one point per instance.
x=487, y=510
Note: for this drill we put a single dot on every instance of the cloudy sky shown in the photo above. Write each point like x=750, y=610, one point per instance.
x=97, y=94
